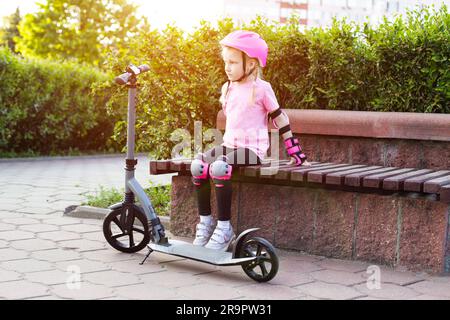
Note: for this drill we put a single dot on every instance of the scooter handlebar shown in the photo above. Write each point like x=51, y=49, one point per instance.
x=131, y=70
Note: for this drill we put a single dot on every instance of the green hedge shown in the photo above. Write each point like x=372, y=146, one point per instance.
x=50, y=108
x=400, y=65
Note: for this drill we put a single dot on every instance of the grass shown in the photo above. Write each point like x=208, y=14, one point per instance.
x=158, y=194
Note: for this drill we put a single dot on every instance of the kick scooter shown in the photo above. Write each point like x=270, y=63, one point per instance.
x=130, y=227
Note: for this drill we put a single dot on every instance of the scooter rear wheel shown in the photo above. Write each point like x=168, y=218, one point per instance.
x=126, y=229
x=265, y=257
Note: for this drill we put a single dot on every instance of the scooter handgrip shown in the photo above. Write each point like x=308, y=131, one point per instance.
x=123, y=78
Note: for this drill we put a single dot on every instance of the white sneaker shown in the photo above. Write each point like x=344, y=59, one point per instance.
x=203, y=233
x=221, y=239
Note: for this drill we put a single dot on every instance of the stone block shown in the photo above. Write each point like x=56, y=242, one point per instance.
x=295, y=218
x=423, y=234
x=334, y=223
x=376, y=229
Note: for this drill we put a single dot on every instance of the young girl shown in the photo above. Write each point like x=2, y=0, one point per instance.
x=247, y=102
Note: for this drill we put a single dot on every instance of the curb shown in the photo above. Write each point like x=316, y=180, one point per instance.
x=88, y=212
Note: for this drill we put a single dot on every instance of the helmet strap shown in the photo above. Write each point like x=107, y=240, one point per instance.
x=244, y=64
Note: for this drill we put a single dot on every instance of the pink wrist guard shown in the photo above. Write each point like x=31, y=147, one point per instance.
x=294, y=150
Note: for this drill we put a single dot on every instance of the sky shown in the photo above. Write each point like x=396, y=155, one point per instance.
x=185, y=14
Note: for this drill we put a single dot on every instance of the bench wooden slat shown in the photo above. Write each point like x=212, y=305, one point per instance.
x=300, y=174
x=253, y=171
x=269, y=170
x=375, y=180
x=285, y=173
x=356, y=179
x=444, y=193
x=396, y=182
x=416, y=184
x=338, y=178
x=433, y=186
x=319, y=175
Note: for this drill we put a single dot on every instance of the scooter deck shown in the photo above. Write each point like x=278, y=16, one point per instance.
x=202, y=254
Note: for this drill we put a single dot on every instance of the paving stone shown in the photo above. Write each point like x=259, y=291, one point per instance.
x=36, y=228
x=298, y=266
x=16, y=235
x=8, y=214
x=171, y=279
x=324, y=290
x=134, y=267
x=12, y=207
x=50, y=277
x=6, y=227
x=33, y=244
x=22, y=289
x=291, y=279
x=82, y=291
x=35, y=209
x=7, y=254
x=222, y=277
x=387, y=291
x=395, y=277
x=112, y=278
x=56, y=255
x=26, y=265
x=8, y=275
x=145, y=292
x=428, y=297
x=82, y=228
x=208, y=292
x=338, y=277
x=82, y=245
x=435, y=288
x=59, y=235
x=62, y=221
x=4, y=244
x=49, y=297
x=343, y=265
x=21, y=221
x=94, y=236
x=268, y=291
x=110, y=255
x=84, y=265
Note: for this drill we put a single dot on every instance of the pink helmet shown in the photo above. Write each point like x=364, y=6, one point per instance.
x=249, y=42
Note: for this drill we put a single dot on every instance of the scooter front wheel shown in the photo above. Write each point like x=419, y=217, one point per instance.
x=126, y=229
x=265, y=266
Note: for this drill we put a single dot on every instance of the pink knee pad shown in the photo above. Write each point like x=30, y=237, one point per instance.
x=199, y=171
x=220, y=171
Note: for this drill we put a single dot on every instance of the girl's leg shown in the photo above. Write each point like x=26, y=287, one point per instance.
x=236, y=158
x=221, y=173
x=201, y=182
x=200, y=178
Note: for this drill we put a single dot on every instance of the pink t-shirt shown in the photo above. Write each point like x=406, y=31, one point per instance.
x=247, y=115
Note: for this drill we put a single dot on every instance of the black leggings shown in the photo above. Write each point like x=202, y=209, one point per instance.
x=239, y=157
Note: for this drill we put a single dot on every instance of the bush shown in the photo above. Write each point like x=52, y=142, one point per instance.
x=400, y=65
x=49, y=107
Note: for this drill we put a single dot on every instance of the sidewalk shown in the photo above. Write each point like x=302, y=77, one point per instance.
x=45, y=255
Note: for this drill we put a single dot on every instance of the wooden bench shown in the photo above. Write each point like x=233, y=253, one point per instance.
x=396, y=215
x=432, y=184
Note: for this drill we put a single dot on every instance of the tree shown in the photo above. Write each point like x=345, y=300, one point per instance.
x=11, y=31
x=79, y=29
